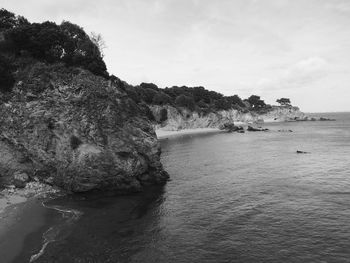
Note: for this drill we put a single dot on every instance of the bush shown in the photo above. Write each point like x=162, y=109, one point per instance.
x=147, y=94
x=161, y=99
x=6, y=78
x=185, y=101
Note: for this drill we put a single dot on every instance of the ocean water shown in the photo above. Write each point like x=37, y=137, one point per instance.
x=232, y=198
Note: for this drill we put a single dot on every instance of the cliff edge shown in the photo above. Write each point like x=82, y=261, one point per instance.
x=71, y=128
x=183, y=118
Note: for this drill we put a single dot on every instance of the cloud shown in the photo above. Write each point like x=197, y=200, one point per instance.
x=298, y=75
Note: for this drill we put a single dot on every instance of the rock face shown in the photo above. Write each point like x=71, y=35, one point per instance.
x=20, y=180
x=186, y=119
x=79, y=131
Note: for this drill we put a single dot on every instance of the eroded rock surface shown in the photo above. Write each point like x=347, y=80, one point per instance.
x=79, y=131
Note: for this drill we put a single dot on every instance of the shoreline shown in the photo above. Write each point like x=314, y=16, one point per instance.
x=167, y=134
x=20, y=214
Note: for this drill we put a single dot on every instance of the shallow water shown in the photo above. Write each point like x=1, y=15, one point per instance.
x=232, y=198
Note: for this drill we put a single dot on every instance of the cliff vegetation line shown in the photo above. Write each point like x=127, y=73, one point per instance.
x=66, y=121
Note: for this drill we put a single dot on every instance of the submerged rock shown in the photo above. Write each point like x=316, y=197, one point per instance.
x=81, y=133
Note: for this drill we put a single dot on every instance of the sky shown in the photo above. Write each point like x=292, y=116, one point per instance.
x=299, y=49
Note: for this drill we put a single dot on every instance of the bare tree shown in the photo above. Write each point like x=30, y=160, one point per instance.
x=98, y=40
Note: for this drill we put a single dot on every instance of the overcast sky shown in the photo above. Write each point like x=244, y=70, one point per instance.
x=298, y=49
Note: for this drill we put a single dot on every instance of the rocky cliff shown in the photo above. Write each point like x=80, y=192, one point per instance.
x=185, y=119
x=76, y=130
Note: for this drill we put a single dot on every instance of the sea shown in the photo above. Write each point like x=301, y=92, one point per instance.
x=231, y=198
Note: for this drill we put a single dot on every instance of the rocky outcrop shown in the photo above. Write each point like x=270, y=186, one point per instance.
x=250, y=128
x=231, y=127
x=186, y=119
x=78, y=131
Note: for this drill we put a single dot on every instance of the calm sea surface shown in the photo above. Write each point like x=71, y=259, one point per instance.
x=232, y=198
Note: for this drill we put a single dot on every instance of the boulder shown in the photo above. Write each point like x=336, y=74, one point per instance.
x=20, y=179
x=230, y=127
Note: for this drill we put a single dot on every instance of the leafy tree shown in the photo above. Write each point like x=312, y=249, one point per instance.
x=185, y=101
x=161, y=99
x=236, y=100
x=256, y=102
x=147, y=94
x=201, y=104
x=284, y=101
x=9, y=20
x=53, y=43
x=223, y=104
x=81, y=50
x=149, y=86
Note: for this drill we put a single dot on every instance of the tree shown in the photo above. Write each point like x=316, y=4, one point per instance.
x=99, y=42
x=161, y=99
x=284, y=101
x=9, y=20
x=256, y=102
x=52, y=43
x=149, y=86
x=236, y=100
x=147, y=94
x=185, y=101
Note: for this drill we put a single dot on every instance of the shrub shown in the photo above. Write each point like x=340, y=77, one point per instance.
x=185, y=101
x=6, y=78
x=161, y=99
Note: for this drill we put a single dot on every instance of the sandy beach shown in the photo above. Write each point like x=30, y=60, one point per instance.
x=166, y=134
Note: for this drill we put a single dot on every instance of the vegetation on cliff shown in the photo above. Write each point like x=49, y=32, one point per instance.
x=67, y=43
x=63, y=121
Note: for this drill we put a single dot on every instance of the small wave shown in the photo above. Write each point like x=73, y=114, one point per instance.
x=338, y=193
x=52, y=233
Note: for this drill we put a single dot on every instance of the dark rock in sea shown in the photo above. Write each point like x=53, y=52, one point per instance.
x=20, y=179
x=231, y=127
x=285, y=131
x=81, y=133
x=326, y=119
x=250, y=128
x=302, y=152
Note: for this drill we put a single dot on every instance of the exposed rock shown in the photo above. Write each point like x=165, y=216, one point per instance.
x=178, y=119
x=326, y=119
x=231, y=127
x=302, y=152
x=20, y=179
x=250, y=128
x=80, y=133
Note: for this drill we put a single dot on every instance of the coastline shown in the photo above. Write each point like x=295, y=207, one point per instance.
x=21, y=213
x=167, y=134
